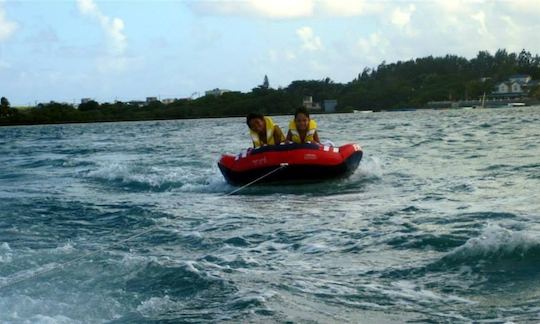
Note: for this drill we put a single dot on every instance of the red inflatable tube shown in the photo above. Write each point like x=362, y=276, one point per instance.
x=290, y=162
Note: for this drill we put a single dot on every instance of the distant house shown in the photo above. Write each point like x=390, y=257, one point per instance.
x=517, y=85
x=86, y=100
x=151, y=99
x=520, y=78
x=329, y=106
x=309, y=104
x=137, y=103
x=509, y=87
x=308, y=101
x=215, y=92
x=502, y=88
x=168, y=101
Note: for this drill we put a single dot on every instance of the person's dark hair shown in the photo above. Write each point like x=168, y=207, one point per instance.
x=301, y=110
x=251, y=116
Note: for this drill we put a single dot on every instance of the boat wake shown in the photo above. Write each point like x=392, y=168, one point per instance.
x=133, y=177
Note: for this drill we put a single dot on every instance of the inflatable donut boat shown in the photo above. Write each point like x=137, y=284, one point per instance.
x=290, y=163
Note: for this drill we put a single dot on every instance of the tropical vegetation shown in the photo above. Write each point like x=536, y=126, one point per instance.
x=411, y=83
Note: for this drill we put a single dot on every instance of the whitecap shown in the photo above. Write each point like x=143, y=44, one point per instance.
x=495, y=239
x=5, y=253
x=312, y=248
x=58, y=319
x=67, y=247
x=184, y=179
x=190, y=266
x=403, y=289
x=157, y=305
x=371, y=166
x=5, y=246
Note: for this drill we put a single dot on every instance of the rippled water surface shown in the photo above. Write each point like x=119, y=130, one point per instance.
x=440, y=223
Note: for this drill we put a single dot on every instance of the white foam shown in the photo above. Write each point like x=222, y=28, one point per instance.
x=58, y=319
x=110, y=171
x=403, y=289
x=496, y=239
x=250, y=299
x=5, y=253
x=311, y=248
x=371, y=166
x=157, y=305
x=67, y=247
x=213, y=182
x=28, y=274
x=185, y=179
x=193, y=234
x=190, y=266
x=131, y=260
x=58, y=306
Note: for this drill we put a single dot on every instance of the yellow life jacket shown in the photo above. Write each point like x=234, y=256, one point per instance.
x=270, y=126
x=312, y=127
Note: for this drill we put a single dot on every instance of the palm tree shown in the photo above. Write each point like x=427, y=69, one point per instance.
x=4, y=104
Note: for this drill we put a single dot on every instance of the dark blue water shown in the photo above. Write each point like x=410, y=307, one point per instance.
x=440, y=223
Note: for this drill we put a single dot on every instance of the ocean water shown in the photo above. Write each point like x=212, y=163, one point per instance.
x=130, y=223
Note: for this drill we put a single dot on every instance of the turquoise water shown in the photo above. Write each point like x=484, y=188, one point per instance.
x=440, y=223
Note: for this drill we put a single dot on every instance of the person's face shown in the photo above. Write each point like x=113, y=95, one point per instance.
x=302, y=122
x=257, y=125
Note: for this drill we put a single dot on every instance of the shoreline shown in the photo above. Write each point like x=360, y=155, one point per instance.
x=269, y=114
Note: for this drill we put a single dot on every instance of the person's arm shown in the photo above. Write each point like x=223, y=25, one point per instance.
x=289, y=137
x=278, y=135
x=252, y=140
x=316, y=138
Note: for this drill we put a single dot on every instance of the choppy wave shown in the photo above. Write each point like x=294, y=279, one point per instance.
x=497, y=244
x=134, y=177
x=497, y=254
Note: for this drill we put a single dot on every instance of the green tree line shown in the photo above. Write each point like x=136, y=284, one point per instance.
x=410, y=83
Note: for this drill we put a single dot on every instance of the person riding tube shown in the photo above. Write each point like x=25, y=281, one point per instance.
x=302, y=129
x=263, y=130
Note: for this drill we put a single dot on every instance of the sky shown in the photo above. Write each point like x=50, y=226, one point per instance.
x=128, y=50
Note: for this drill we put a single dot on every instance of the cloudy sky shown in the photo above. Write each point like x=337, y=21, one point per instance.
x=126, y=50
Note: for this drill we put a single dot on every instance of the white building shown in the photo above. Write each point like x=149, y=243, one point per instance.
x=520, y=78
x=309, y=104
x=216, y=92
x=168, y=101
x=516, y=86
x=137, y=103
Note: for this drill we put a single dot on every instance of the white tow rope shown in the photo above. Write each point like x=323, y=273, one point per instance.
x=281, y=166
